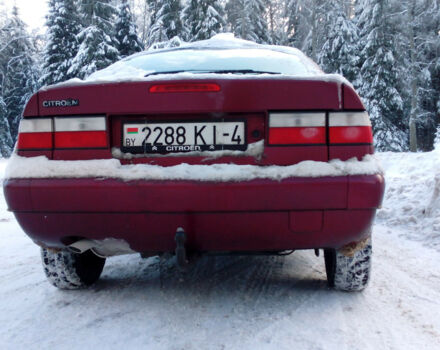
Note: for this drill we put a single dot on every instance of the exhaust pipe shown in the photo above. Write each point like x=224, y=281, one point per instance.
x=102, y=248
x=82, y=246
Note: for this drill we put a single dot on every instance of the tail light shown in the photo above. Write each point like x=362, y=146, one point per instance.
x=80, y=132
x=35, y=134
x=305, y=128
x=297, y=128
x=350, y=128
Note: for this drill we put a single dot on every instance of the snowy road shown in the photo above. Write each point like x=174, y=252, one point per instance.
x=230, y=303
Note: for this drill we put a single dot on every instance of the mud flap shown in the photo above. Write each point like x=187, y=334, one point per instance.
x=350, y=249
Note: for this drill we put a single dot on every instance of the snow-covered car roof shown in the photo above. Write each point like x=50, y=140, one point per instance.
x=221, y=57
x=227, y=41
x=222, y=53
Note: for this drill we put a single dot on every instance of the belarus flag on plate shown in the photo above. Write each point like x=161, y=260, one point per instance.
x=132, y=130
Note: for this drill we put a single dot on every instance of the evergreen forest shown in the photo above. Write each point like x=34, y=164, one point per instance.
x=388, y=49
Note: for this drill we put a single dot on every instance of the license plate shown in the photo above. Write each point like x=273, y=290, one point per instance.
x=183, y=137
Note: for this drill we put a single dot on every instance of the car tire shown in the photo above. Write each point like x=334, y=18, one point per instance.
x=348, y=268
x=67, y=270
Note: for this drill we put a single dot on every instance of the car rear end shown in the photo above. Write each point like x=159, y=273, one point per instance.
x=240, y=164
x=286, y=121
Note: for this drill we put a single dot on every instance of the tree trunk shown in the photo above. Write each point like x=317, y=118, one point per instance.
x=412, y=117
x=414, y=87
x=144, y=16
x=271, y=20
x=314, y=31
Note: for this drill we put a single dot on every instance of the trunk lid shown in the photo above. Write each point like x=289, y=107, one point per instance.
x=245, y=100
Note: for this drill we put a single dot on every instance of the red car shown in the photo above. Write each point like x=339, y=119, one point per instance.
x=220, y=146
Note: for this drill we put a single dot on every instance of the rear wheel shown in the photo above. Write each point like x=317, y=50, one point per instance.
x=68, y=270
x=349, y=267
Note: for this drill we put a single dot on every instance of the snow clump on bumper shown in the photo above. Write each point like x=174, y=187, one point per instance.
x=41, y=167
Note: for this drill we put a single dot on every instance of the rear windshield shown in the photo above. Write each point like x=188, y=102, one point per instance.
x=226, y=60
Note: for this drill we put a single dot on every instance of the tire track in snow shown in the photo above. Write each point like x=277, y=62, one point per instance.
x=224, y=302
x=410, y=287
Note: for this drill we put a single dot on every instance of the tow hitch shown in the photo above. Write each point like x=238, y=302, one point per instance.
x=181, y=258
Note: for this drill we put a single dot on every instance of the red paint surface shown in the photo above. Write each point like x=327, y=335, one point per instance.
x=344, y=152
x=308, y=221
x=365, y=191
x=31, y=109
x=351, y=99
x=220, y=215
x=35, y=153
x=244, y=96
x=227, y=231
x=89, y=195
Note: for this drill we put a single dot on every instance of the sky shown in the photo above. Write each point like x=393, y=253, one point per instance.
x=32, y=12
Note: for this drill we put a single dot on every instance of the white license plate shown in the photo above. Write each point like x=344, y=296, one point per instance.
x=183, y=137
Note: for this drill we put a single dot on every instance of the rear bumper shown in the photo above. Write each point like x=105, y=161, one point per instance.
x=258, y=215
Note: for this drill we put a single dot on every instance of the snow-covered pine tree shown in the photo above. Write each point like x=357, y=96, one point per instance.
x=339, y=52
x=63, y=26
x=307, y=24
x=141, y=12
x=174, y=42
x=3, y=13
x=437, y=138
x=430, y=100
x=203, y=19
x=435, y=52
x=248, y=21
x=156, y=31
x=294, y=15
x=232, y=10
x=379, y=76
x=275, y=21
x=97, y=47
x=5, y=133
x=192, y=15
x=415, y=38
x=243, y=26
x=19, y=68
x=169, y=20
x=126, y=31
x=153, y=8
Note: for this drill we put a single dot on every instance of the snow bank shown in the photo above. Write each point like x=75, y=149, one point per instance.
x=41, y=167
x=3, y=163
x=412, y=197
